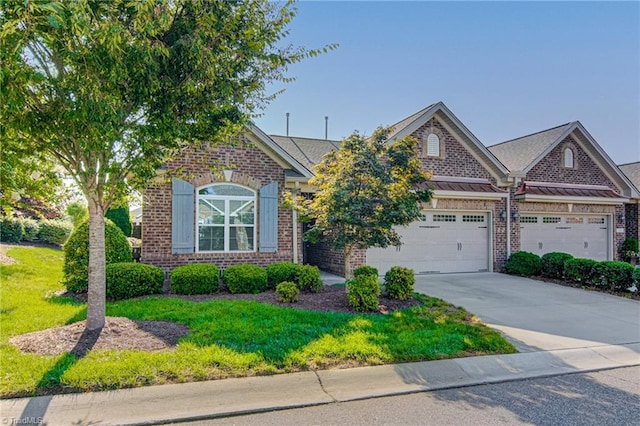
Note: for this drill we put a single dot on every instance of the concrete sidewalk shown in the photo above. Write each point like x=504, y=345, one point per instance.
x=202, y=400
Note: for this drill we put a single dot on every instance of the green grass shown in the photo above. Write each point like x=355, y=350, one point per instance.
x=227, y=338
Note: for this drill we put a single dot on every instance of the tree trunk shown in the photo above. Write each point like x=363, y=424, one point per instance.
x=97, y=282
x=348, y=270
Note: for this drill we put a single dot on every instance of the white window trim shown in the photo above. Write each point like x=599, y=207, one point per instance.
x=227, y=224
x=430, y=145
x=566, y=151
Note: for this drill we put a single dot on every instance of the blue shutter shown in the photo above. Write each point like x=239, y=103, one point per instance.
x=269, y=218
x=182, y=217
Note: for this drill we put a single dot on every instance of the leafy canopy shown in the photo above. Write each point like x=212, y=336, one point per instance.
x=364, y=189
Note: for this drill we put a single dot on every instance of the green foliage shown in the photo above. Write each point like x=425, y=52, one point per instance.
x=54, y=231
x=365, y=270
x=365, y=188
x=245, y=278
x=31, y=229
x=309, y=279
x=11, y=229
x=363, y=293
x=196, y=278
x=523, y=263
x=287, y=292
x=76, y=254
x=552, y=264
x=128, y=279
x=398, y=282
x=613, y=274
x=628, y=248
x=120, y=216
x=78, y=212
x=282, y=271
x=636, y=275
x=580, y=270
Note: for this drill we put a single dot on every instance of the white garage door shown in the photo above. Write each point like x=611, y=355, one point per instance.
x=582, y=236
x=443, y=242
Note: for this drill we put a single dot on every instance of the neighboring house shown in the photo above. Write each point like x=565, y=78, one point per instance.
x=632, y=210
x=555, y=190
x=571, y=197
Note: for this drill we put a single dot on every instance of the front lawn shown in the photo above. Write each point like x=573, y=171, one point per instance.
x=227, y=338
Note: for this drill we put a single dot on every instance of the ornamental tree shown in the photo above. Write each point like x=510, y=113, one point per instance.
x=364, y=190
x=110, y=88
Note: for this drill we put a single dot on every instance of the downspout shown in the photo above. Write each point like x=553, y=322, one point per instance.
x=294, y=219
x=509, y=223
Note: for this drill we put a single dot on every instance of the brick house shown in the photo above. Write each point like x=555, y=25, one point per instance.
x=487, y=202
x=632, y=209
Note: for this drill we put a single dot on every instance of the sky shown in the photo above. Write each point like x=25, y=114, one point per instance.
x=505, y=69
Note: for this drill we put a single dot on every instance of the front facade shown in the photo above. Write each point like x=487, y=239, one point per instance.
x=555, y=190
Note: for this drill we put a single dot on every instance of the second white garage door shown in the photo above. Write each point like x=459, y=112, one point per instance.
x=443, y=242
x=580, y=235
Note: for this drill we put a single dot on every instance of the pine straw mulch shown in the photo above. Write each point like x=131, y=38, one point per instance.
x=624, y=294
x=122, y=333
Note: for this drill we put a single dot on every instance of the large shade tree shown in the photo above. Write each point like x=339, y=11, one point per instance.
x=110, y=88
x=364, y=190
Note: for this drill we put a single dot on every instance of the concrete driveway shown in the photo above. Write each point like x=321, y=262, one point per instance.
x=535, y=315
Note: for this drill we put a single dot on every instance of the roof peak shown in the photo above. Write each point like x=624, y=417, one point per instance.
x=534, y=133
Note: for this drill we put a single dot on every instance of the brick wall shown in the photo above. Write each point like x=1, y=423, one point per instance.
x=632, y=218
x=252, y=168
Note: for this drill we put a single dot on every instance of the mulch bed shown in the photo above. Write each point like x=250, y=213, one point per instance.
x=625, y=294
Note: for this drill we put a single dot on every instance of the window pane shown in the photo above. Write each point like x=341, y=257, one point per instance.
x=241, y=238
x=226, y=189
x=211, y=238
x=210, y=212
x=241, y=212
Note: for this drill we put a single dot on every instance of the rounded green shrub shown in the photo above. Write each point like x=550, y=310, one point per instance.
x=31, y=228
x=245, y=278
x=628, y=249
x=120, y=216
x=55, y=231
x=309, y=279
x=197, y=278
x=365, y=270
x=523, y=263
x=398, y=282
x=552, y=264
x=280, y=272
x=76, y=254
x=613, y=274
x=580, y=270
x=287, y=292
x=363, y=293
x=11, y=230
x=129, y=279
x=636, y=275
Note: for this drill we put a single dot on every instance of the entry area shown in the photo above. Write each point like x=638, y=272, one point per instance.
x=580, y=235
x=446, y=241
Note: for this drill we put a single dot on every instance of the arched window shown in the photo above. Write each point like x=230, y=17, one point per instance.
x=568, y=158
x=433, y=145
x=226, y=218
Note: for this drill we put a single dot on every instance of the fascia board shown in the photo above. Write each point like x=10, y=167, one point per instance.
x=277, y=150
x=550, y=148
x=464, y=195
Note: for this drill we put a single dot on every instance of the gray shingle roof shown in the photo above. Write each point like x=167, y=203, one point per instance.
x=519, y=153
x=632, y=171
x=396, y=128
x=306, y=151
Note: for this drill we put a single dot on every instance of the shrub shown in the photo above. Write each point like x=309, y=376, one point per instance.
x=31, y=228
x=197, y=278
x=309, y=279
x=55, y=231
x=629, y=248
x=120, y=216
x=523, y=263
x=128, y=279
x=287, y=292
x=398, y=282
x=280, y=272
x=11, y=230
x=76, y=254
x=78, y=212
x=636, y=275
x=613, y=274
x=580, y=270
x=365, y=270
x=552, y=264
x=245, y=278
x=363, y=293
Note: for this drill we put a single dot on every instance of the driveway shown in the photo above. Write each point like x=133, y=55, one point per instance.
x=535, y=315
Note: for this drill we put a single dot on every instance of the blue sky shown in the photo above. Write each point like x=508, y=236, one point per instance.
x=506, y=69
